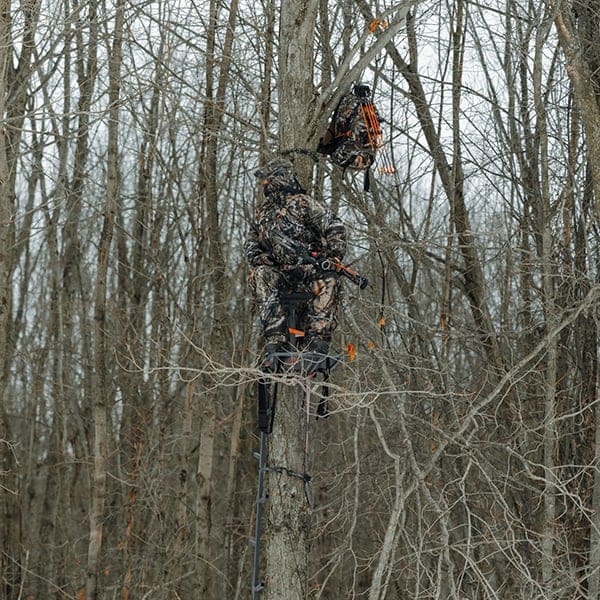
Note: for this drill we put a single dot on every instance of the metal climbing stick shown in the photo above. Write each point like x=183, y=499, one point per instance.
x=304, y=365
x=260, y=501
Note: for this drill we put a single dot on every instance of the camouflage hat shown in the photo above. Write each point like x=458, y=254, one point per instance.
x=277, y=171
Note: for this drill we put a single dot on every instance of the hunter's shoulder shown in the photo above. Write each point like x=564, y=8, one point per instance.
x=299, y=198
x=305, y=201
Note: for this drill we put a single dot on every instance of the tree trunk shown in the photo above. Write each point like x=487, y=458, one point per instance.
x=220, y=340
x=594, y=554
x=289, y=516
x=577, y=27
x=288, y=519
x=102, y=381
x=295, y=85
x=15, y=73
x=8, y=490
x=581, y=77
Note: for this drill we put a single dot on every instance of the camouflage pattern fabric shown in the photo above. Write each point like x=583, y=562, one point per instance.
x=266, y=283
x=353, y=155
x=347, y=139
x=286, y=210
x=296, y=216
x=319, y=319
x=280, y=175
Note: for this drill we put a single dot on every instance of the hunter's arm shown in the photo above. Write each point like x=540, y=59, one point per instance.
x=256, y=254
x=331, y=228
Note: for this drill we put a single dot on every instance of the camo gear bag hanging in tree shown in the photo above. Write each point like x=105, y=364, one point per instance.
x=354, y=135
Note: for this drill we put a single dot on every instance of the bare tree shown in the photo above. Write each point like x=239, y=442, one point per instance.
x=459, y=457
x=102, y=382
x=8, y=489
x=15, y=76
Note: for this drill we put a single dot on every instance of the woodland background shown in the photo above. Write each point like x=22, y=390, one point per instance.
x=462, y=456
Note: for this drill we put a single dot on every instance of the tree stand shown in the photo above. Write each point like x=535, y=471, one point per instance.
x=304, y=366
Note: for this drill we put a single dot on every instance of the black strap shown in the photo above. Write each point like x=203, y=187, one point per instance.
x=305, y=151
x=305, y=477
x=323, y=406
x=266, y=405
x=290, y=473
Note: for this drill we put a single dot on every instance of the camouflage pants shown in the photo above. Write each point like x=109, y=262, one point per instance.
x=270, y=284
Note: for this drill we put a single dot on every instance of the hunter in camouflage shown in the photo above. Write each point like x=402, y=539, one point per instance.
x=287, y=225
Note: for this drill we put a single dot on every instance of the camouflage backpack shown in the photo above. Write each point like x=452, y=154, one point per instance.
x=353, y=137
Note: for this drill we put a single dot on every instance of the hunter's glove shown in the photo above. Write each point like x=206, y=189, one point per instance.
x=300, y=272
x=336, y=254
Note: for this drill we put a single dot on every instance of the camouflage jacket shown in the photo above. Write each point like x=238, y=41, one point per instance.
x=296, y=216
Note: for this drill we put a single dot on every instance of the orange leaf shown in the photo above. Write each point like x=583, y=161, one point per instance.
x=351, y=348
x=81, y=594
x=377, y=25
x=381, y=322
x=371, y=344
